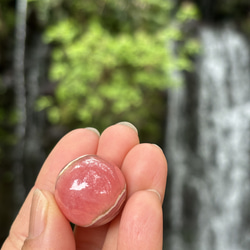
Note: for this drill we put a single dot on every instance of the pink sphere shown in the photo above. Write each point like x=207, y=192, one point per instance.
x=90, y=191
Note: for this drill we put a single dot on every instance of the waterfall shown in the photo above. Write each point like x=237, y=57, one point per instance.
x=20, y=96
x=208, y=148
x=36, y=81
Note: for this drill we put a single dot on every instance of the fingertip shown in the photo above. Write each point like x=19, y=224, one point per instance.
x=93, y=130
x=145, y=167
x=155, y=192
x=128, y=124
x=116, y=141
x=74, y=144
x=78, y=133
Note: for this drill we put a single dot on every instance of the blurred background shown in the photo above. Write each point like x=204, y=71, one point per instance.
x=178, y=70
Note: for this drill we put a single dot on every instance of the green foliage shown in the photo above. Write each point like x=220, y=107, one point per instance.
x=43, y=103
x=187, y=12
x=109, y=57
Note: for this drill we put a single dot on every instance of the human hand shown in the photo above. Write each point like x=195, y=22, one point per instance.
x=41, y=225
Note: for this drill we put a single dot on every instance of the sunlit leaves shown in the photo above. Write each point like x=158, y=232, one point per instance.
x=97, y=68
x=43, y=103
x=54, y=114
x=106, y=66
x=187, y=12
x=63, y=32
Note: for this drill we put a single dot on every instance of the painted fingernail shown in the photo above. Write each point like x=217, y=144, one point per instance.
x=128, y=124
x=38, y=214
x=94, y=130
x=156, y=192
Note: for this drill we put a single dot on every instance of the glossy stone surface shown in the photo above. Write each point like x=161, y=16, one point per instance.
x=90, y=191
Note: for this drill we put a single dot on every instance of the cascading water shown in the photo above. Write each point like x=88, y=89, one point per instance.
x=208, y=148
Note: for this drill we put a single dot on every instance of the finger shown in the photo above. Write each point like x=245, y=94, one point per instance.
x=141, y=225
x=110, y=242
x=76, y=143
x=144, y=167
x=115, y=142
x=48, y=228
x=72, y=145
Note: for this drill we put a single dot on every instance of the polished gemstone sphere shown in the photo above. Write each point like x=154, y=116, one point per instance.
x=90, y=191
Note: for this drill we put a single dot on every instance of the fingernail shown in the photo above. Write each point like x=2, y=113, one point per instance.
x=38, y=214
x=129, y=125
x=157, y=146
x=156, y=192
x=94, y=130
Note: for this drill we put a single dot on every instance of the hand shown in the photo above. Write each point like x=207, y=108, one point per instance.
x=41, y=225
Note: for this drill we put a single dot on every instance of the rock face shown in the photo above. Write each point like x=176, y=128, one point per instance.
x=208, y=148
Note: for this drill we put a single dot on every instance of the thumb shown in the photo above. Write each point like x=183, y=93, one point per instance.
x=48, y=228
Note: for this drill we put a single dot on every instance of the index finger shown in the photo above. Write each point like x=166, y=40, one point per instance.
x=145, y=167
x=74, y=144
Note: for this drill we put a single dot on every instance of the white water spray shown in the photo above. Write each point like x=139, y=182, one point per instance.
x=211, y=163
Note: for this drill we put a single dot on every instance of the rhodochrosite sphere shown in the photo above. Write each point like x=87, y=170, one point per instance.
x=90, y=191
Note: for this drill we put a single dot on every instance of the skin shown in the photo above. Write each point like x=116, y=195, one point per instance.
x=41, y=225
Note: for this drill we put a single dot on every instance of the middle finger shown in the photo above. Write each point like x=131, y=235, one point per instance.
x=114, y=144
